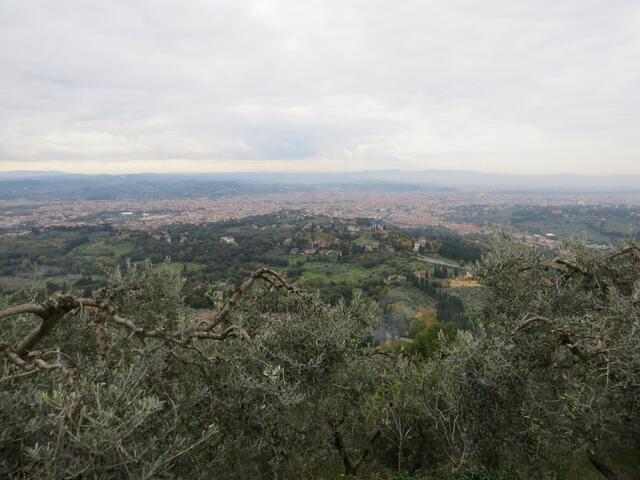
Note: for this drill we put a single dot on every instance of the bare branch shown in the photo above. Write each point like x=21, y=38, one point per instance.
x=630, y=248
x=529, y=320
x=20, y=309
x=266, y=274
x=572, y=266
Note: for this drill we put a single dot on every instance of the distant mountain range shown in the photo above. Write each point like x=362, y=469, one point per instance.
x=457, y=179
x=61, y=185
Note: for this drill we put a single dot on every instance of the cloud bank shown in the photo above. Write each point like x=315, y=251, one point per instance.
x=520, y=87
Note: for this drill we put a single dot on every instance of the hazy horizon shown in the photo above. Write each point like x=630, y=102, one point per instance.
x=531, y=87
x=310, y=172
x=190, y=183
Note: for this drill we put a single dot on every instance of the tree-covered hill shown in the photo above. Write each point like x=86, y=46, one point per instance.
x=327, y=255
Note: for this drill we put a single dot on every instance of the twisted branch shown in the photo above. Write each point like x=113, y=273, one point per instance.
x=563, y=336
x=529, y=320
x=58, y=306
x=266, y=274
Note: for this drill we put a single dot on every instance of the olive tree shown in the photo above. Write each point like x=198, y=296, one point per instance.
x=554, y=369
x=131, y=383
x=273, y=383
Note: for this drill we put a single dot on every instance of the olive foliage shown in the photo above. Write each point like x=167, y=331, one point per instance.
x=171, y=405
x=274, y=383
x=555, y=368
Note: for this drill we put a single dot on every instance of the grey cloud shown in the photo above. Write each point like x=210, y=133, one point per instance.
x=530, y=86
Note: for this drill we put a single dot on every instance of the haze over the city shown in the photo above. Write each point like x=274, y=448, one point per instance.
x=528, y=87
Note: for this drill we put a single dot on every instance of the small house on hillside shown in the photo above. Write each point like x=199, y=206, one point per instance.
x=229, y=240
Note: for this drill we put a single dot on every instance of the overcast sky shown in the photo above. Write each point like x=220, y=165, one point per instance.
x=498, y=86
